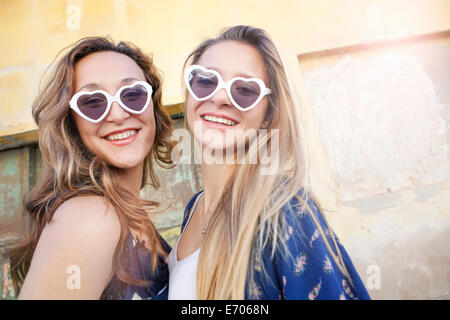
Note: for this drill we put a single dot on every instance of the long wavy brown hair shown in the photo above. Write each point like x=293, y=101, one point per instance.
x=72, y=170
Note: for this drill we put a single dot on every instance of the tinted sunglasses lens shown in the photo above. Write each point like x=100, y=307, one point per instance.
x=202, y=83
x=135, y=97
x=92, y=106
x=245, y=93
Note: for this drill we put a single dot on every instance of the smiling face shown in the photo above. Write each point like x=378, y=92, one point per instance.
x=217, y=115
x=122, y=139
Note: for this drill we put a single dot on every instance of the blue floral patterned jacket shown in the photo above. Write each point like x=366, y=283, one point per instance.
x=310, y=272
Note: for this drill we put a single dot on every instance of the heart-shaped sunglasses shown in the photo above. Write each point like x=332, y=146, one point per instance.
x=95, y=105
x=244, y=93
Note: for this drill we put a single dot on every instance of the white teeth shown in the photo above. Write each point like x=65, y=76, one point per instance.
x=219, y=120
x=122, y=135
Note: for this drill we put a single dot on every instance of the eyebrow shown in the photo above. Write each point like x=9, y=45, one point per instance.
x=95, y=85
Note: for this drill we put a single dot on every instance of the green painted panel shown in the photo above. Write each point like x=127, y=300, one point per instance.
x=171, y=235
x=6, y=286
x=20, y=169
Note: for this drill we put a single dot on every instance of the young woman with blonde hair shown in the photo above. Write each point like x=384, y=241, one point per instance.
x=102, y=128
x=252, y=233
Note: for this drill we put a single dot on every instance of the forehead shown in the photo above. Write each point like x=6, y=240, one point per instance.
x=106, y=68
x=232, y=58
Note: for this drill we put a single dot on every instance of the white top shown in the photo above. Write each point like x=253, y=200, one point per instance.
x=183, y=273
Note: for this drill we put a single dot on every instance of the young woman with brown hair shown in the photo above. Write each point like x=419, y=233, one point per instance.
x=102, y=129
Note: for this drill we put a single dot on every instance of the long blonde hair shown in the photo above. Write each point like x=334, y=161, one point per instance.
x=248, y=216
x=72, y=170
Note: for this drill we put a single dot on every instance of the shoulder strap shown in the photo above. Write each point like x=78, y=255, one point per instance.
x=191, y=205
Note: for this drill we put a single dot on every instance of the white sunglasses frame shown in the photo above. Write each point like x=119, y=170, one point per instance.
x=110, y=99
x=226, y=85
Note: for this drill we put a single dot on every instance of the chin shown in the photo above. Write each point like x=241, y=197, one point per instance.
x=223, y=143
x=123, y=166
x=125, y=163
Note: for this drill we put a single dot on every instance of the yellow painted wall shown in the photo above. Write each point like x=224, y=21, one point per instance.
x=32, y=32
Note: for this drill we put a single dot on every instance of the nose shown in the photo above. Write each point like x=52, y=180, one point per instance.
x=221, y=98
x=117, y=114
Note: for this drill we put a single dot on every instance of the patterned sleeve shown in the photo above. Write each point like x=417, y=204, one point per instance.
x=307, y=268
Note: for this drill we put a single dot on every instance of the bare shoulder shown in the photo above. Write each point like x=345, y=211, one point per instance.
x=84, y=232
x=92, y=214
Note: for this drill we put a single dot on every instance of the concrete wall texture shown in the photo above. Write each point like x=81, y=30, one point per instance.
x=373, y=80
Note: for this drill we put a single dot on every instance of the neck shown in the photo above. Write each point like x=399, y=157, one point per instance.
x=215, y=176
x=131, y=178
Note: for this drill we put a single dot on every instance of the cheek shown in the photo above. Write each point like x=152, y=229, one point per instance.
x=88, y=132
x=149, y=121
x=254, y=118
